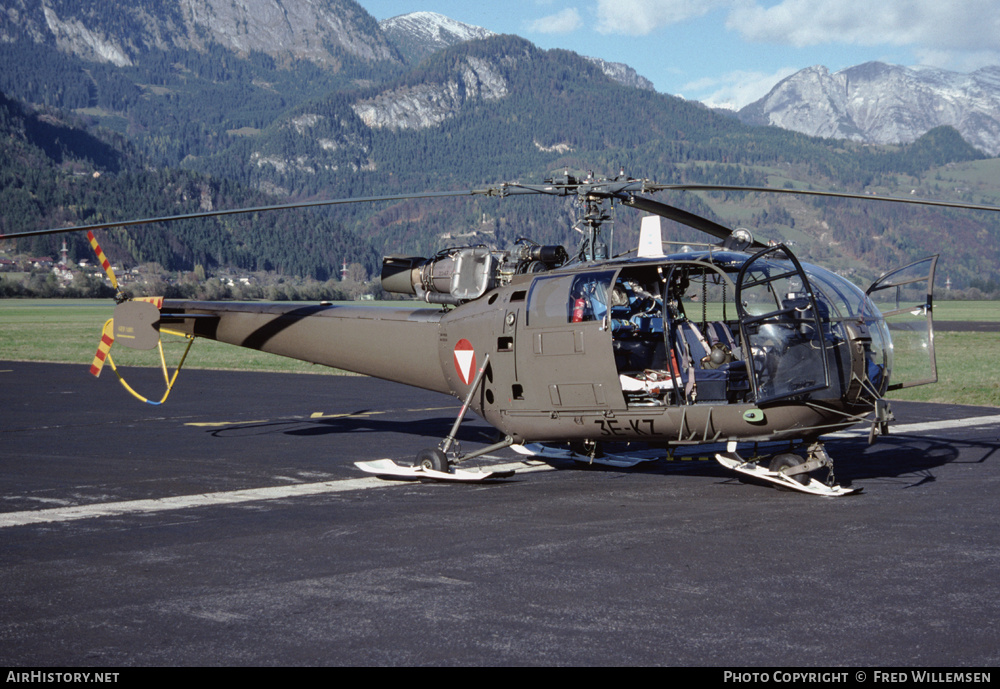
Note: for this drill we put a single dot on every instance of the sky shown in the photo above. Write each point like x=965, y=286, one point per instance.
x=729, y=53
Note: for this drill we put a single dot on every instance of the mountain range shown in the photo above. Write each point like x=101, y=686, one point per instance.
x=872, y=103
x=219, y=104
x=322, y=32
x=884, y=104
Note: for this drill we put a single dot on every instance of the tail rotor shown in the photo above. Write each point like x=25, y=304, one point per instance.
x=135, y=324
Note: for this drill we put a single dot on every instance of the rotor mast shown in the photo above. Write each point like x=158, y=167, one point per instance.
x=593, y=246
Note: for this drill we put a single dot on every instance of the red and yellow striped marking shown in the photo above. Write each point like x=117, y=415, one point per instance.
x=155, y=301
x=107, y=339
x=103, y=259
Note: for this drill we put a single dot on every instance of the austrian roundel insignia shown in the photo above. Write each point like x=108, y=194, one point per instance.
x=465, y=361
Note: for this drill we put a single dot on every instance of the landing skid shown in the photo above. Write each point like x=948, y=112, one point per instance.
x=733, y=461
x=434, y=463
x=387, y=467
x=544, y=451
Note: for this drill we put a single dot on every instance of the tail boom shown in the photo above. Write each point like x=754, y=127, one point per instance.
x=398, y=344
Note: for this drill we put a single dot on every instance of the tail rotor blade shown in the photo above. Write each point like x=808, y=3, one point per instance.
x=107, y=339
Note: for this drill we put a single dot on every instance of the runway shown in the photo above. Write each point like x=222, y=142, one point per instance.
x=230, y=527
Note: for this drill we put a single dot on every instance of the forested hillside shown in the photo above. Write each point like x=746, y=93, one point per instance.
x=53, y=174
x=183, y=128
x=560, y=112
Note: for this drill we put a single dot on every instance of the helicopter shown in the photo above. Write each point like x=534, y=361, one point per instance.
x=567, y=355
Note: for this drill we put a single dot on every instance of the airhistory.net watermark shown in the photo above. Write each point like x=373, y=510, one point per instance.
x=44, y=676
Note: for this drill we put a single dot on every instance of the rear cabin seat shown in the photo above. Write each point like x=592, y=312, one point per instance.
x=728, y=381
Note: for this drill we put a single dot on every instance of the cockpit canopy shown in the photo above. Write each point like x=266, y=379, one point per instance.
x=726, y=326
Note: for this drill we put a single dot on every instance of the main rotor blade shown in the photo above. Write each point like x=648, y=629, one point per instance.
x=834, y=194
x=238, y=211
x=673, y=213
x=624, y=190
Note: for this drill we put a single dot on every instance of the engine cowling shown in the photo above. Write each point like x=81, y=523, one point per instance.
x=465, y=273
x=449, y=278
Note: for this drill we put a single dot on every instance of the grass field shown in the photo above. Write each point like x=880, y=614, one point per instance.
x=968, y=371
x=67, y=331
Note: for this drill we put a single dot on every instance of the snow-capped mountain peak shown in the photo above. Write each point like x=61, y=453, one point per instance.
x=418, y=34
x=880, y=103
x=437, y=27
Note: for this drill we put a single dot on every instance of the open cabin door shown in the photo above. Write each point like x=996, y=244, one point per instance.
x=782, y=327
x=905, y=298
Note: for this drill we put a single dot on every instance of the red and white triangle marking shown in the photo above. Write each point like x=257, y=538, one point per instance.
x=465, y=360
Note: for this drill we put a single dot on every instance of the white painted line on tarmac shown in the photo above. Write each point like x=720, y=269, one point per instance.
x=945, y=425
x=897, y=429
x=233, y=497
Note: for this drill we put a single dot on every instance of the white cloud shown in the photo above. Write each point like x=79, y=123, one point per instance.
x=945, y=30
x=957, y=61
x=735, y=89
x=641, y=17
x=952, y=34
x=565, y=21
x=966, y=25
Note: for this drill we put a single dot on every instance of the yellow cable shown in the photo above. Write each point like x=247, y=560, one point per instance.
x=167, y=378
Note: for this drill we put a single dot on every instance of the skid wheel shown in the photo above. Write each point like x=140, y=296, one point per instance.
x=782, y=461
x=588, y=449
x=432, y=459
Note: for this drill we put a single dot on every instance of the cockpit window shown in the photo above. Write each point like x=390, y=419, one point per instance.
x=845, y=298
x=547, y=301
x=786, y=327
x=569, y=299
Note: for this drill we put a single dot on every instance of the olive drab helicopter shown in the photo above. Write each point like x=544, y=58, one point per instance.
x=732, y=343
